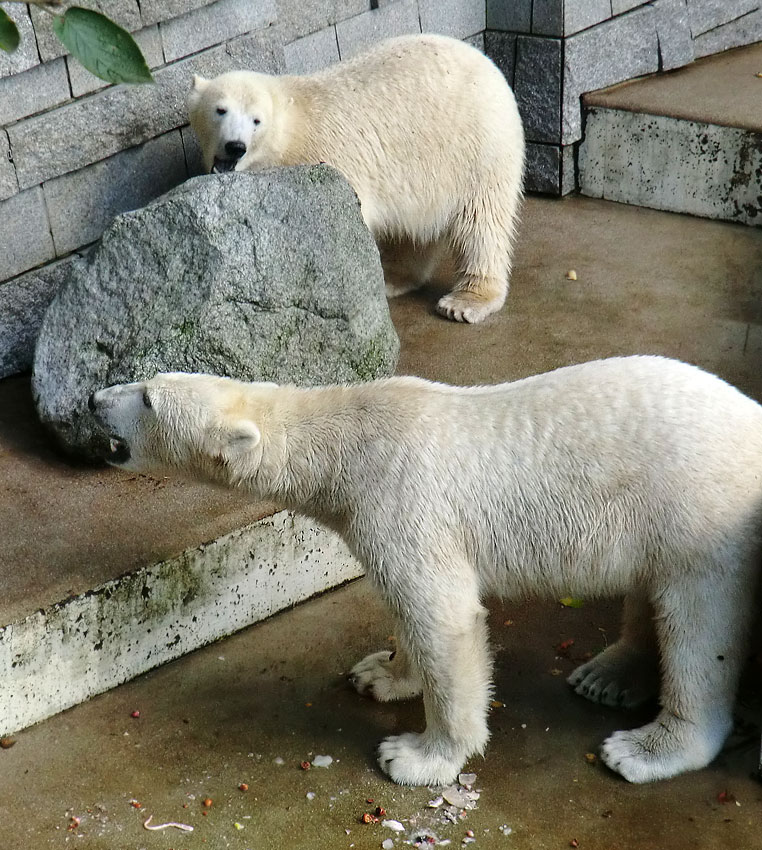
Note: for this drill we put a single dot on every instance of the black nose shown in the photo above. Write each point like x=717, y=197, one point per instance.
x=235, y=149
x=91, y=402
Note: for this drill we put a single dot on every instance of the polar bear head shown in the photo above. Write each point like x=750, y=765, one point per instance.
x=232, y=115
x=200, y=426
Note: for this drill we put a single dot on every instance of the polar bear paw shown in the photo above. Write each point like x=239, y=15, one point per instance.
x=664, y=748
x=413, y=759
x=470, y=306
x=619, y=676
x=380, y=676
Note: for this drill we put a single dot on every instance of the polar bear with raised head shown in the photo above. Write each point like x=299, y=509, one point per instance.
x=426, y=130
x=639, y=476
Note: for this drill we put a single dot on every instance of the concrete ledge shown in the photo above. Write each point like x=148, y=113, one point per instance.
x=672, y=164
x=64, y=654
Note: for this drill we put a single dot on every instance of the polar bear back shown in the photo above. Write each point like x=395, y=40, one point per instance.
x=426, y=113
x=573, y=478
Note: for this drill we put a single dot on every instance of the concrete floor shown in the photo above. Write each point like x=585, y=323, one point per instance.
x=647, y=282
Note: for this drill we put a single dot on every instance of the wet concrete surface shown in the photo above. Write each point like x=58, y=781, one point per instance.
x=647, y=282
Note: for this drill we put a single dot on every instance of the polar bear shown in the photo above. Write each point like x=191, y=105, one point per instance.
x=426, y=130
x=638, y=475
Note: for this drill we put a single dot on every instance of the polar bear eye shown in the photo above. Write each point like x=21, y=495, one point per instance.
x=146, y=399
x=221, y=110
x=257, y=121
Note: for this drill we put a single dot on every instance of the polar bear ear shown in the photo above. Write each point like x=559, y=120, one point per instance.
x=199, y=83
x=240, y=437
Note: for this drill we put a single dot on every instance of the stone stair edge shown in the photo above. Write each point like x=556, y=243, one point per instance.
x=84, y=645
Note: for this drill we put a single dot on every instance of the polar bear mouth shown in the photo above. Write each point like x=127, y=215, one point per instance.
x=222, y=165
x=118, y=451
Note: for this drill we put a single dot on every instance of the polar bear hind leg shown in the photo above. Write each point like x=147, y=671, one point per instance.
x=702, y=629
x=387, y=676
x=408, y=266
x=627, y=672
x=482, y=240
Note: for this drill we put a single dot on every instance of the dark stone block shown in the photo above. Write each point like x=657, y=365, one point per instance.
x=543, y=169
x=510, y=15
x=538, y=87
x=501, y=49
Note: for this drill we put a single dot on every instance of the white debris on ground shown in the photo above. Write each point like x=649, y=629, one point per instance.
x=387, y=844
x=393, y=824
x=322, y=761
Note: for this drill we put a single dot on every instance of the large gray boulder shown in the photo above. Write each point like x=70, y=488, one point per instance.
x=260, y=276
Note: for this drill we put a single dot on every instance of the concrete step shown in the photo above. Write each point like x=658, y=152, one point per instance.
x=105, y=575
x=687, y=141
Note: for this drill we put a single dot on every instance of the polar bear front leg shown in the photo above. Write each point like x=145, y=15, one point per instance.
x=446, y=633
x=627, y=672
x=387, y=676
x=702, y=629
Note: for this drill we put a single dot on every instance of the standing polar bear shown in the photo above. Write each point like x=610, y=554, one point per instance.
x=636, y=475
x=426, y=130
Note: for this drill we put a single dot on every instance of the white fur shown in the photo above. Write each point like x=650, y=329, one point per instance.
x=426, y=130
x=638, y=475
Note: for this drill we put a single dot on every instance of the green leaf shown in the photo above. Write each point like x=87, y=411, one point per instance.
x=571, y=602
x=103, y=47
x=9, y=34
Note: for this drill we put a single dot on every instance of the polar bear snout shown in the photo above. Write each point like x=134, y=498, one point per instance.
x=235, y=149
x=117, y=411
x=234, y=152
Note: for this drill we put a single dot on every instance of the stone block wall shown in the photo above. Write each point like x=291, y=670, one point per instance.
x=554, y=51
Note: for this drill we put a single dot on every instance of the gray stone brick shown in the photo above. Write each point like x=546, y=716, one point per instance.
x=582, y=14
x=299, y=19
x=568, y=169
x=23, y=302
x=83, y=82
x=674, y=33
x=548, y=17
x=81, y=204
x=537, y=87
x=705, y=15
x=213, y=25
x=620, y=49
x=8, y=183
x=458, y=18
x=358, y=33
x=745, y=30
x=543, y=169
x=476, y=41
x=312, y=52
x=121, y=117
x=620, y=6
x=24, y=233
x=33, y=91
x=509, y=15
x=25, y=56
x=126, y=13
x=153, y=11
x=194, y=160
x=501, y=49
